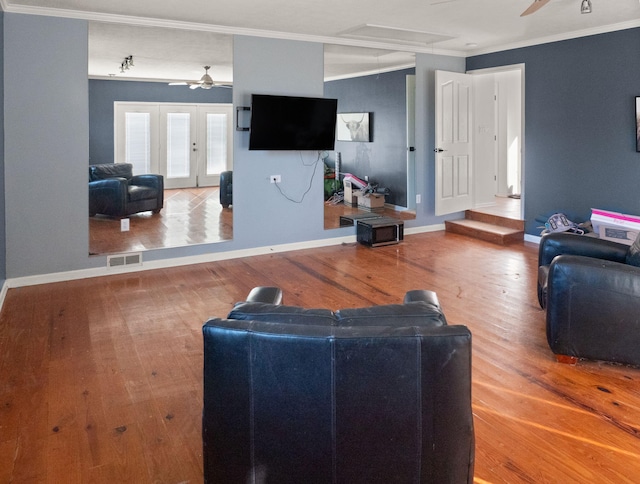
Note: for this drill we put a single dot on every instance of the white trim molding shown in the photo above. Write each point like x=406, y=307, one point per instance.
x=189, y=260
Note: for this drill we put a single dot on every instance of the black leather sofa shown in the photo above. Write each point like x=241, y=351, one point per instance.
x=115, y=191
x=369, y=395
x=590, y=289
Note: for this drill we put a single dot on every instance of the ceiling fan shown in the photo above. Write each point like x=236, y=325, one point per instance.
x=585, y=7
x=205, y=82
x=534, y=7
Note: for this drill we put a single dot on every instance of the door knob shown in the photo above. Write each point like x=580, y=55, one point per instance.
x=438, y=150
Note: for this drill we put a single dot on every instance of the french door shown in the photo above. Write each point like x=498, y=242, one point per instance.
x=189, y=144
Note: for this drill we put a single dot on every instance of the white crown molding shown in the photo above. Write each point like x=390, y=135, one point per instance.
x=631, y=24
x=372, y=72
x=221, y=29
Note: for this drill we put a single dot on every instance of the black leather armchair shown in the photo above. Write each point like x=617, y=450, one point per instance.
x=590, y=289
x=369, y=395
x=115, y=191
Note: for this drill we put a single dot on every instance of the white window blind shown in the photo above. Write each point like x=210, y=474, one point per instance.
x=216, y=143
x=178, y=149
x=138, y=141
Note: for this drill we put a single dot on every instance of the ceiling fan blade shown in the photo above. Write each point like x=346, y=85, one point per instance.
x=534, y=7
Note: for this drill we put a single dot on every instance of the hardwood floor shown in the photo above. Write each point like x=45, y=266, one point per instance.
x=190, y=216
x=101, y=379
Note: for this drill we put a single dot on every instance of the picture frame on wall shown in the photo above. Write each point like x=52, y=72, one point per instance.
x=353, y=127
x=638, y=124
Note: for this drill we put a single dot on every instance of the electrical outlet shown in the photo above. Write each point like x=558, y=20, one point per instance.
x=418, y=198
x=124, y=225
x=275, y=179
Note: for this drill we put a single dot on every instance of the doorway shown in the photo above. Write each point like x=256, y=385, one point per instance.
x=499, y=140
x=479, y=132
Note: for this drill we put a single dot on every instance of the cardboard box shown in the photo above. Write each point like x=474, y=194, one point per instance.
x=371, y=201
x=614, y=226
x=618, y=234
x=350, y=193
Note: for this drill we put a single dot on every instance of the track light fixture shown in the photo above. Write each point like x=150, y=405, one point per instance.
x=585, y=6
x=126, y=63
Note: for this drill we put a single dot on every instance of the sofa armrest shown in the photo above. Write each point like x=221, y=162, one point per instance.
x=152, y=181
x=552, y=245
x=108, y=196
x=422, y=295
x=591, y=301
x=265, y=294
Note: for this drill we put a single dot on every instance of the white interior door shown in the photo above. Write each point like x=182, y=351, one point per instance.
x=453, y=134
x=215, y=143
x=178, y=149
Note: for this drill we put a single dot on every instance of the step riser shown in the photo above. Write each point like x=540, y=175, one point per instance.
x=494, y=219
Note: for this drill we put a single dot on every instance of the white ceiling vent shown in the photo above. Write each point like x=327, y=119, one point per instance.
x=391, y=34
x=122, y=260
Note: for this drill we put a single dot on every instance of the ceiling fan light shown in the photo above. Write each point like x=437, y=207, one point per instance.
x=585, y=6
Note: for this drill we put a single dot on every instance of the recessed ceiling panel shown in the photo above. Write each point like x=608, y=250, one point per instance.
x=391, y=34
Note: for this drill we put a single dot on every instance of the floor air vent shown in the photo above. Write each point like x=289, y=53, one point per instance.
x=123, y=260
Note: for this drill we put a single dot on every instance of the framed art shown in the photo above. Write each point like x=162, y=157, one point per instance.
x=353, y=127
x=638, y=123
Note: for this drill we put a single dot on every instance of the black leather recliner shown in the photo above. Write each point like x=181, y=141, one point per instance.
x=590, y=289
x=369, y=395
x=115, y=191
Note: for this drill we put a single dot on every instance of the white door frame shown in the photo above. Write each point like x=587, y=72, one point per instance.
x=521, y=68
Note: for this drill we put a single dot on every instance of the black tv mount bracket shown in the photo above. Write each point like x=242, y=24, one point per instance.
x=238, y=109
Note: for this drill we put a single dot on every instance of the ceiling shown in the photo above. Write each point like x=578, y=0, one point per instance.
x=173, y=40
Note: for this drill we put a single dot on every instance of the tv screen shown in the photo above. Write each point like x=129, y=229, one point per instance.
x=292, y=123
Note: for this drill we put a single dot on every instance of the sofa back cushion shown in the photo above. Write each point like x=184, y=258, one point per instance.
x=257, y=311
x=110, y=170
x=411, y=314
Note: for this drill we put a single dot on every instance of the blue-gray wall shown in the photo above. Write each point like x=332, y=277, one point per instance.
x=263, y=215
x=384, y=159
x=46, y=147
x=3, y=238
x=580, y=150
x=103, y=93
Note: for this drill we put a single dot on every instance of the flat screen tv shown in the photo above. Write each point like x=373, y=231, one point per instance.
x=292, y=123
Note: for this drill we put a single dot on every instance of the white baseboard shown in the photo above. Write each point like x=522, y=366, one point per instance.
x=183, y=261
x=3, y=293
x=174, y=262
x=532, y=238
